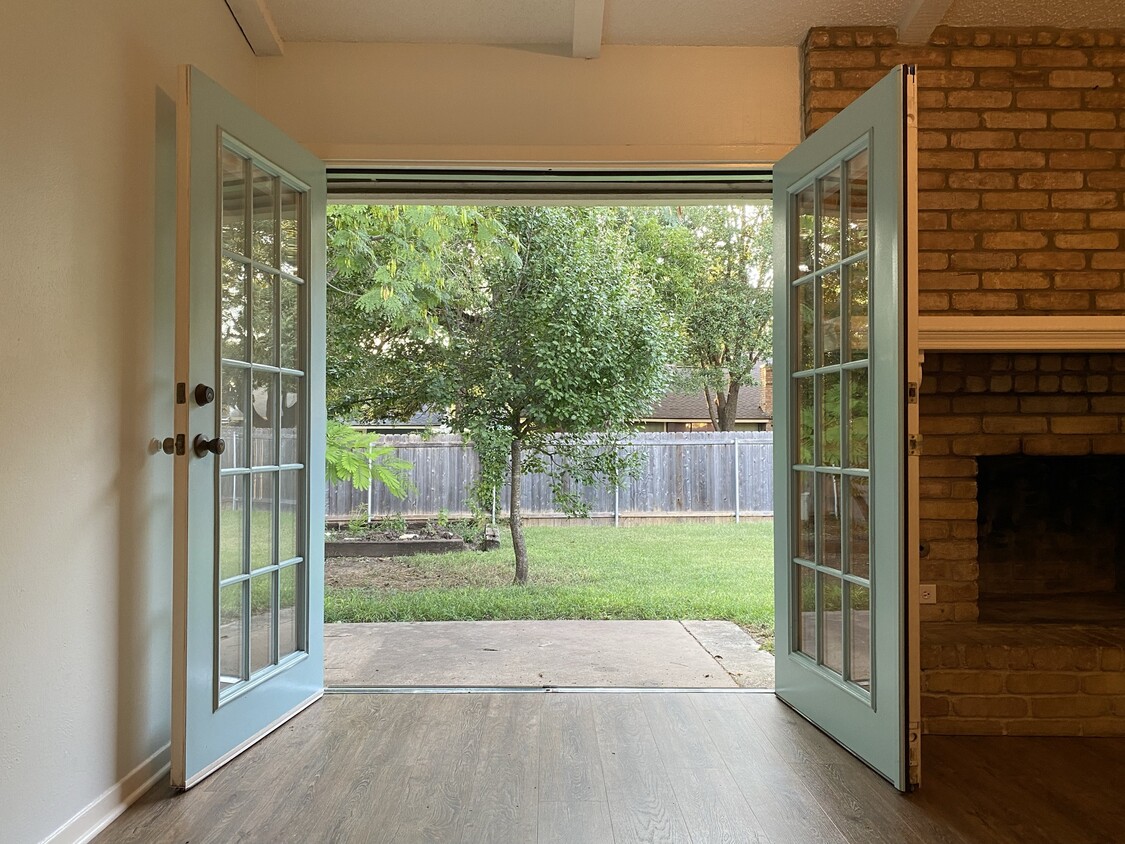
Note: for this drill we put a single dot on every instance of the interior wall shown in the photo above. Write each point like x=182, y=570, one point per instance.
x=87, y=221
x=85, y=375
x=458, y=103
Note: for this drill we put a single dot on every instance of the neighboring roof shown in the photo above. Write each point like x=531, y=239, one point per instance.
x=693, y=406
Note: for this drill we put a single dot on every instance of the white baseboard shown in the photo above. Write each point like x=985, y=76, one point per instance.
x=102, y=811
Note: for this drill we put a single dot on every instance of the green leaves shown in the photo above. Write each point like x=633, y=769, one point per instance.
x=350, y=457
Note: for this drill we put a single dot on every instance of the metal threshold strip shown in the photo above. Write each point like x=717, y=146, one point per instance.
x=532, y=690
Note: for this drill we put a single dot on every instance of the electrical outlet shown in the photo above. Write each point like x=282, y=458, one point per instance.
x=927, y=593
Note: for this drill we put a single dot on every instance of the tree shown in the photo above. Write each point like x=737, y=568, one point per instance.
x=534, y=331
x=714, y=269
x=568, y=344
x=393, y=273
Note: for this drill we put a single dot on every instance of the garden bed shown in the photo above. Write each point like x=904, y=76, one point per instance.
x=392, y=547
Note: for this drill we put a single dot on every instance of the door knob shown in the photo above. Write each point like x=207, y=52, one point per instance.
x=203, y=446
x=168, y=445
x=203, y=394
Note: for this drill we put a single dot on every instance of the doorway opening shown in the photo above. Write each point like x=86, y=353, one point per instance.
x=612, y=345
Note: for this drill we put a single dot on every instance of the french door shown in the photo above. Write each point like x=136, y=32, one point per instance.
x=845, y=354
x=249, y=567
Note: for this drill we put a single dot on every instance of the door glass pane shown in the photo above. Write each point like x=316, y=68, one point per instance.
x=858, y=316
x=830, y=318
x=290, y=323
x=806, y=326
x=832, y=619
x=232, y=511
x=806, y=231
x=859, y=557
x=261, y=520
x=265, y=221
x=806, y=516
x=265, y=400
x=290, y=229
x=287, y=610
x=829, y=521
x=291, y=411
x=232, y=318
x=261, y=621
x=858, y=422
x=233, y=199
x=288, y=509
x=261, y=318
x=806, y=419
x=828, y=239
x=231, y=633
x=234, y=393
x=856, y=169
x=859, y=635
x=830, y=419
x=806, y=611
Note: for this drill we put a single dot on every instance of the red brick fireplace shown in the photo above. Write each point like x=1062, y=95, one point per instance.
x=1022, y=476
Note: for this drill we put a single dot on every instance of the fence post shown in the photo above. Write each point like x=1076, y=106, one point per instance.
x=737, y=503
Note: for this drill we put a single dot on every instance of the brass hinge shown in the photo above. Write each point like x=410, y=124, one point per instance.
x=913, y=753
x=914, y=445
x=912, y=392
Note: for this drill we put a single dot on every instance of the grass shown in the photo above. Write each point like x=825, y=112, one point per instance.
x=681, y=571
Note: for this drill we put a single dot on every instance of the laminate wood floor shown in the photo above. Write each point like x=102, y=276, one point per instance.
x=619, y=767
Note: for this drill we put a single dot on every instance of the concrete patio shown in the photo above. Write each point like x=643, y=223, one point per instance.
x=631, y=654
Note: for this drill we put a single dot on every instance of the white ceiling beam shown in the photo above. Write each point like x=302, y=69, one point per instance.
x=589, y=17
x=920, y=18
x=256, y=22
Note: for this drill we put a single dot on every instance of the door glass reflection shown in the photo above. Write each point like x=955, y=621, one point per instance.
x=832, y=619
x=806, y=611
x=859, y=634
x=856, y=169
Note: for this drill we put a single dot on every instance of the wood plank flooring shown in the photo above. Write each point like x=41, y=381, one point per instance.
x=618, y=767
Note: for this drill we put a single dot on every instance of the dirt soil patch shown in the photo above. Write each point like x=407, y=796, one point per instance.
x=398, y=574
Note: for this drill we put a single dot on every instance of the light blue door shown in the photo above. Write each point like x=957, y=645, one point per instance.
x=249, y=567
x=841, y=457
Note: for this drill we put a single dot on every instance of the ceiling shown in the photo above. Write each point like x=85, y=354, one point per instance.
x=585, y=25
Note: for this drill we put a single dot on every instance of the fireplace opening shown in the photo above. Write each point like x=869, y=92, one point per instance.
x=1051, y=539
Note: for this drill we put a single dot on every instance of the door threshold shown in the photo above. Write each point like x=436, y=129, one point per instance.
x=484, y=690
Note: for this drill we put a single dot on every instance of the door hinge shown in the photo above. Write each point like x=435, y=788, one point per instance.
x=912, y=392
x=181, y=392
x=914, y=445
x=181, y=445
x=913, y=753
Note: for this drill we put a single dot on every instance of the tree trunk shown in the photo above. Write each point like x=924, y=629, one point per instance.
x=728, y=411
x=515, y=519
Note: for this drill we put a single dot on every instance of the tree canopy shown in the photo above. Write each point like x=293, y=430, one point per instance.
x=534, y=330
x=713, y=266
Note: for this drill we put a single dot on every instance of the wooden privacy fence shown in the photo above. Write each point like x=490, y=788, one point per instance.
x=696, y=475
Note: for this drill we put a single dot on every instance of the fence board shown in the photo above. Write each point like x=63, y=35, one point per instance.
x=688, y=474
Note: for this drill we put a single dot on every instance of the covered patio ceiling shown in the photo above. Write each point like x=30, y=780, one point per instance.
x=580, y=27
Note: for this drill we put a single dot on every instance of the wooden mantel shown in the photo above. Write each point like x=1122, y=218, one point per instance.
x=1076, y=333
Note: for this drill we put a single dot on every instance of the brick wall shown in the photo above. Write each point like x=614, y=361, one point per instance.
x=985, y=404
x=1022, y=681
x=1021, y=162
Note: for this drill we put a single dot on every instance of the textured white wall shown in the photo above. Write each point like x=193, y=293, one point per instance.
x=462, y=103
x=85, y=512
x=86, y=264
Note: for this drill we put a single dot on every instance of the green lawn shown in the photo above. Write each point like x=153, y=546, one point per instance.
x=684, y=571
